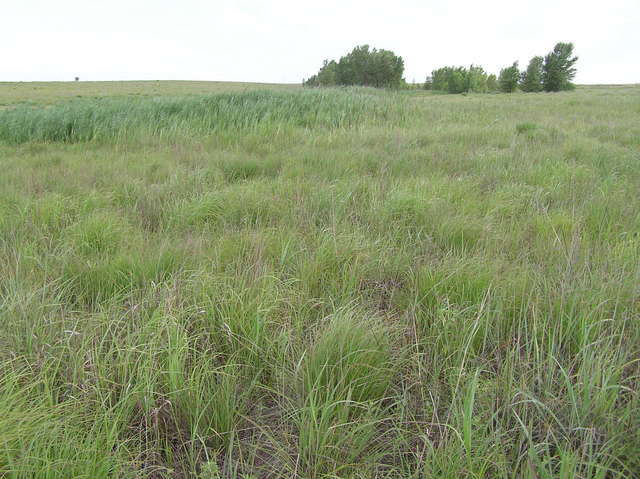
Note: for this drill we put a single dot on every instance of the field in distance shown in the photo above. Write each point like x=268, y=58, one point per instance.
x=49, y=92
x=218, y=280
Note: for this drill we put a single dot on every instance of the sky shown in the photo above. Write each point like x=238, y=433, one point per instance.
x=286, y=41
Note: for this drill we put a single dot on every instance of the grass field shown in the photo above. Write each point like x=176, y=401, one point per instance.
x=203, y=280
x=38, y=93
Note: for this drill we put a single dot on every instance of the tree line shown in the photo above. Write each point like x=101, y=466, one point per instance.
x=384, y=69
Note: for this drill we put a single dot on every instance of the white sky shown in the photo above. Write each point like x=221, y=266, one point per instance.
x=284, y=41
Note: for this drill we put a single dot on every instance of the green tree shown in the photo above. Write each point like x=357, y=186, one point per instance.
x=558, y=69
x=355, y=68
x=492, y=83
x=387, y=69
x=363, y=66
x=476, y=79
x=328, y=74
x=509, y=78
x=457, y=80
x=532, y=78
x=440, y=79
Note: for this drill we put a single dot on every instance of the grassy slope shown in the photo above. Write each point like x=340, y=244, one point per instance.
x=452, y=295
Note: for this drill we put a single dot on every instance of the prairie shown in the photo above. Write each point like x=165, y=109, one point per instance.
x=236, y=281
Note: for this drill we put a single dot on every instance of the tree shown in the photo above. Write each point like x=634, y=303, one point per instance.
x=440, y=79
x=459, y=79
x=456, y=81
x=509, y=78
x=328, y=74
x=387, y=69
x=363, y=66
x=558, y=69
x=532, y=78
x=476, y=79
x=492, y=83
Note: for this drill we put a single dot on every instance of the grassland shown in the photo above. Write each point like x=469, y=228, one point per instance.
x=39, y=93
x=320, y=284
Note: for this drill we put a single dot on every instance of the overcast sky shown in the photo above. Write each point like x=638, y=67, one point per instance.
x=284, y=41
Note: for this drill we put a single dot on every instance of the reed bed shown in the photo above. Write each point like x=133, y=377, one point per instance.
x=109, y=119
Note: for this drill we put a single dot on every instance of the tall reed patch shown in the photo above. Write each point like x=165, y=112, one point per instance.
x=109, y=120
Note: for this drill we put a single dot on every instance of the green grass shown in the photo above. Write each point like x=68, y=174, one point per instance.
x=120, y=120
x=211, y=283
x=39, y=93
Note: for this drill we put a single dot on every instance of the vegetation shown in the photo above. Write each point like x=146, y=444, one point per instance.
x=382, y=68
x=342, y=283
x=120, y=120
x=458, y=80
x=558, y=69
x=492, y=83
x=361, y=67
x=531, y=80
x=44, y=93
x=553, y=73
x=509, y=78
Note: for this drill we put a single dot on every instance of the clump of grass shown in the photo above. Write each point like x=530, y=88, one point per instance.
x=238, y=169
x=525, y=127
x=101, y=279
x=97, y=234
x=351, y=360
x=344, y=376
x=115, y=120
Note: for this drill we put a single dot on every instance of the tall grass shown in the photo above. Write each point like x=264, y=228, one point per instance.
x=109, y=119
x=432, y=292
